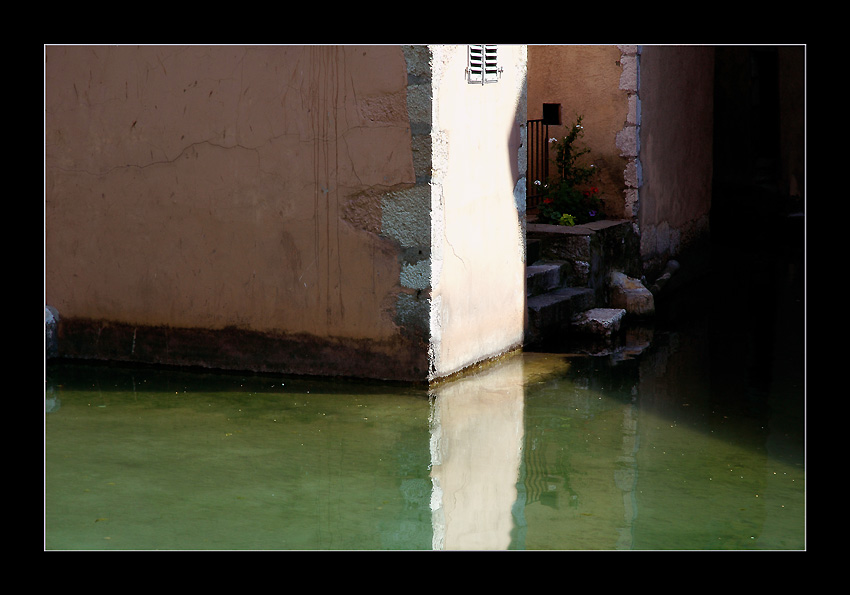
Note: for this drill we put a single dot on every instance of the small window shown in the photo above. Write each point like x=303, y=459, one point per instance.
x=483, y=64
x=552, y=114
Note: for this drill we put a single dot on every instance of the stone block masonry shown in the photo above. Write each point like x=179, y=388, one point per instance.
x=628, y=139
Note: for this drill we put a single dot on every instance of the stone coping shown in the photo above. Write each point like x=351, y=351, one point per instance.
x=577, y=230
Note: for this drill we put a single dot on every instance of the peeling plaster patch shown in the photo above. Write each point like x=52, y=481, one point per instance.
x=627, y=141
x=629, y=76
x=405, y=216
x=634, y=110
x=412, y=314
x=416, y=275
x=633, y=174
x=631, y=202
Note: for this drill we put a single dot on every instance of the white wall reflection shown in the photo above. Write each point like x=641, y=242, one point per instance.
x=476, y=450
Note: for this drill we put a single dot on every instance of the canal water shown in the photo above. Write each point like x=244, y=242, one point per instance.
x=689, y=435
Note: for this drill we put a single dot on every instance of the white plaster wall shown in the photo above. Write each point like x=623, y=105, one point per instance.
x=477, y=237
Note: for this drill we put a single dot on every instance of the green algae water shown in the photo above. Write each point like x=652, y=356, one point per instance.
x=143, y=459
x=536, y=452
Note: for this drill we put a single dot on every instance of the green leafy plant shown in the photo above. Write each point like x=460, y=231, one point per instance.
x=567, y=219
x=569, y=198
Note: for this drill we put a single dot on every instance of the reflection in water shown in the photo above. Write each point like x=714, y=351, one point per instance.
x=476, y=444
x=579, y=471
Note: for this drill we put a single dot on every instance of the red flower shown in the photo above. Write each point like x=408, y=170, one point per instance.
x=548, y=201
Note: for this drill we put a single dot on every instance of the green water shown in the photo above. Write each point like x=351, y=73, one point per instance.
x=152, y=460
x=541, y=451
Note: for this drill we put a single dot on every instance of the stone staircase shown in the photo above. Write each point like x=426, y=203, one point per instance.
x=568, y=279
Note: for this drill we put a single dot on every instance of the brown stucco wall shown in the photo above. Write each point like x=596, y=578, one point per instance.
x=586, y=81
x=233, y=207
x=676, y=150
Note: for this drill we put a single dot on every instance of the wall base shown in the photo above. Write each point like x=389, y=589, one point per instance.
x=399, y=359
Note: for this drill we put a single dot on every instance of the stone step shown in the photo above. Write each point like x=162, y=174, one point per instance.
x=542, y=277
x=584, y=257
x=551, y=313
x=600, y=322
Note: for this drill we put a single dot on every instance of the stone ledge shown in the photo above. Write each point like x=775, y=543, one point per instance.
x=575, y=230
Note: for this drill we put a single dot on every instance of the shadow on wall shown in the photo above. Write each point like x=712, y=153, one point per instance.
x=518, y=137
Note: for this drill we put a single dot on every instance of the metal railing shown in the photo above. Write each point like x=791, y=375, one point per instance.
x=538, y=161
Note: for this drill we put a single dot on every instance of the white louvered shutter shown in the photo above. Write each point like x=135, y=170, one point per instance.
x=483, y=65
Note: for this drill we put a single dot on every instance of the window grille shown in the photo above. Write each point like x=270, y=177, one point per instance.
x=483, y=64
